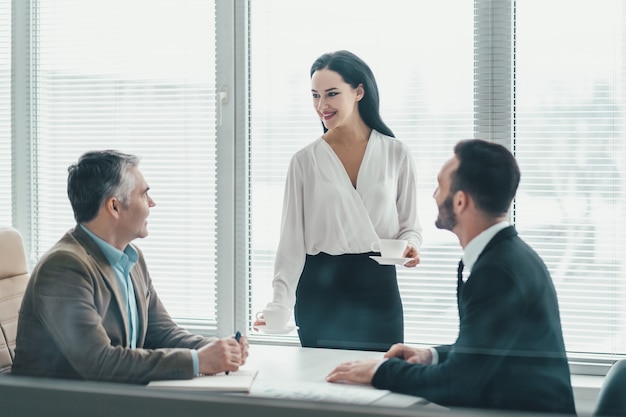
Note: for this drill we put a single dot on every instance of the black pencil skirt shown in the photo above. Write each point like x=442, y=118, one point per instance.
x=348, y=302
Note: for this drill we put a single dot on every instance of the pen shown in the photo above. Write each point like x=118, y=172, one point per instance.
x=237, y=337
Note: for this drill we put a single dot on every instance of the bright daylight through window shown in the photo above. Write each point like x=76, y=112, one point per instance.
x=140, y=76
x=567, y=134
x=150, y=92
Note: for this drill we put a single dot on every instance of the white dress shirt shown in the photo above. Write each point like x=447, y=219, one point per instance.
x=476, y=246
x=323, y=212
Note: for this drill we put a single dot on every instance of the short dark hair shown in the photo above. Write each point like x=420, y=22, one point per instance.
x=355, y=71
x=488, y=172
x=97, y=176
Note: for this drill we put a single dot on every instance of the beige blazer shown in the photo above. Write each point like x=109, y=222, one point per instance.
x=73, y=322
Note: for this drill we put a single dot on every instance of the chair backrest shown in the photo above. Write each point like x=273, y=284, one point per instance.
x=13, y=280
x=612, y=397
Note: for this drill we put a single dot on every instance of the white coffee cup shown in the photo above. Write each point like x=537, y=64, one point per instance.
x=275, y=318
x=390, y=248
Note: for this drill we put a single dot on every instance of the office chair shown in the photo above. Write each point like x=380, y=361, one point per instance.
x=13, y=280
x=612, y=398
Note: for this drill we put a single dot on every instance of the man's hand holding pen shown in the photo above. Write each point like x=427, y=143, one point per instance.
x=223, y=355
x=237, y=338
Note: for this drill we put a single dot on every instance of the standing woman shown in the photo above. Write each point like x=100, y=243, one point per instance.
x=348, y=188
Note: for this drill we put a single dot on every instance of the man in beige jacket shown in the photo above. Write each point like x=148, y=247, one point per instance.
x=90, y=310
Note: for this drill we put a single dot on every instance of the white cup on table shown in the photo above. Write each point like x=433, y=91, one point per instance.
x=275, y=318
x=390, y=248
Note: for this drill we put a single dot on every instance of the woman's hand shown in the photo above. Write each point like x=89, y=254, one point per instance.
x=411, y=252
x=260, y=321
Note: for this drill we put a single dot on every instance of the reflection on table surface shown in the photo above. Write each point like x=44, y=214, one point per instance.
x=300, y=373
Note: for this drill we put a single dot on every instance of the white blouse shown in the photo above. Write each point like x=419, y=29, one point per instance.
x=323, y=212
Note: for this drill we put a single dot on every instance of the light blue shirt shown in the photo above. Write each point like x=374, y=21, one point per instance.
x=122, y=263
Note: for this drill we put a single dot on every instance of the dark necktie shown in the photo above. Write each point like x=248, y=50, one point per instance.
x=459, y=277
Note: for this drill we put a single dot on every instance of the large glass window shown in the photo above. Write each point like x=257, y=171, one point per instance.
x=421, y=55
x=137, y=76
x=570, y=143
x=559, y=73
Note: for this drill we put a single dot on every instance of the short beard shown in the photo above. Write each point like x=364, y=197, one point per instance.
x=446, y=219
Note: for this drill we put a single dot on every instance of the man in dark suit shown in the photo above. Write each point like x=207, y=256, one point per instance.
x=90, y=310
x=509, y=352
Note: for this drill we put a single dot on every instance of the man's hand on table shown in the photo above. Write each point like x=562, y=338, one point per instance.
x=360, y=372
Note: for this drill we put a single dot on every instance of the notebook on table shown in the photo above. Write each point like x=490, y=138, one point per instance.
x=240, y=381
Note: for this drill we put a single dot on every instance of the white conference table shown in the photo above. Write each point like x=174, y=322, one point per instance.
x=300, y=373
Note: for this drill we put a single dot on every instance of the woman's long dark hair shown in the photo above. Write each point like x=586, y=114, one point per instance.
x=355, y=71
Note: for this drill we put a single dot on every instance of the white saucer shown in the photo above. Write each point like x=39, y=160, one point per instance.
x=264, y=329
x=390, y=261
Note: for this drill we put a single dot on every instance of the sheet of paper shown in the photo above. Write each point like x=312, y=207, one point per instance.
x=319, y=391
x=240, y=381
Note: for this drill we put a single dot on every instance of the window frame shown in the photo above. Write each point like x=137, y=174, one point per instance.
x=494, y=120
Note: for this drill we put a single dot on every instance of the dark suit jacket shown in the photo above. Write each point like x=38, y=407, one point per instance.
x=509, y=353
x=71, y=324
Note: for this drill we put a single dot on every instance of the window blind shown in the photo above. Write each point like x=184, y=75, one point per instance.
x=534, y=82
x=137, y=76
x=421, y=55
x=569, y=141
x=5, y=114
x=140, y=76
